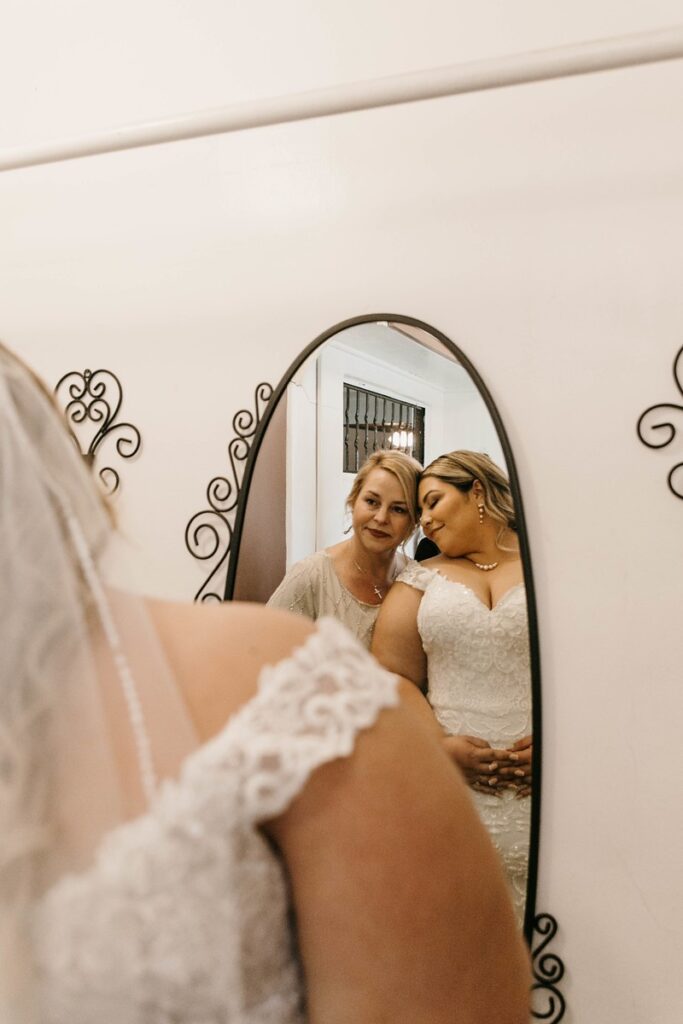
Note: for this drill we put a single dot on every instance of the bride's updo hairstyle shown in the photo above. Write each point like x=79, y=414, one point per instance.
x=404, y=467
x=462, y=468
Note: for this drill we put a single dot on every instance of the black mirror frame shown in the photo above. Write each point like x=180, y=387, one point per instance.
x=548, y=967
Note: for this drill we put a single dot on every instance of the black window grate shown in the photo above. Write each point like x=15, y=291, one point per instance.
x=373, y=422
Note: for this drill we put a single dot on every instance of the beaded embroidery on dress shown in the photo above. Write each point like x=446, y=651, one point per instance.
x=184, y=916
x=479, y=684
x=312, y=588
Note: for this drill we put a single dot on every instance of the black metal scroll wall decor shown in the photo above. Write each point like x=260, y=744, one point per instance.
x=656, y=430
x=208, y=535
x=548, y=972
x=91, y=402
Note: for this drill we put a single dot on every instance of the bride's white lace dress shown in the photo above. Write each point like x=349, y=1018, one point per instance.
x=184, y=918
x=479, y=684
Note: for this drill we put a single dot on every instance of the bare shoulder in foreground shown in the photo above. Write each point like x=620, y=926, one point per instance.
x=402, y=913
x=217, y=652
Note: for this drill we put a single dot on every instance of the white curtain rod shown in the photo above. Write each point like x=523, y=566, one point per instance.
x=475, y=76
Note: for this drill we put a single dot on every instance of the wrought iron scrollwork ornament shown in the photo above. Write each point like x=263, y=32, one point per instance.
x=208, y=535
x=548, y=971
x=658, y=431
x=91, y=401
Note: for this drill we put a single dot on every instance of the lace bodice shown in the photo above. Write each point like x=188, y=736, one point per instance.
x=478, y=658
x=184, y=916
x=479, y=684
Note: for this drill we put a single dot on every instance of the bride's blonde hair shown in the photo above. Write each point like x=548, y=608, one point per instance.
x=462, y=468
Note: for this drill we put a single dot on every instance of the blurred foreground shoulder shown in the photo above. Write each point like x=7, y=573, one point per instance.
x=217, y=652
x=403, y=913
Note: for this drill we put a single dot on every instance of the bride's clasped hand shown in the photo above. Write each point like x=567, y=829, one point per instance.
x=492, y=770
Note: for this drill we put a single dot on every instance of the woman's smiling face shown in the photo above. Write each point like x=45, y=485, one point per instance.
x=381, y=520
x=448, y=516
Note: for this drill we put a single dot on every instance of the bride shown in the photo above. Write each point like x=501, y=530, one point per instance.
x=215, y=814
x=456, y=625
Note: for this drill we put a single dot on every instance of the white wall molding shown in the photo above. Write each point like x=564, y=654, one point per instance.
x=474, y=76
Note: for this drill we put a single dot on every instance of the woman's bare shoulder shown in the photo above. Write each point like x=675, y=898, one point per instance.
x=437, y=561
x=217, y=652
x=269, y=628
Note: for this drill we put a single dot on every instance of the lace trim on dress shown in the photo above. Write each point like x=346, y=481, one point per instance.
x=183, y=917
x=479, y=684
x=459, y=583
x=308, y=711
x=416, y=575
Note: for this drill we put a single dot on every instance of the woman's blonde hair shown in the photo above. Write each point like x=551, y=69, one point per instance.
x=462, y=468
x=404, y=467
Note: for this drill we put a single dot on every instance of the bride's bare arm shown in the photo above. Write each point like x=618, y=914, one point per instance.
x=402, y=911
x=396, y=641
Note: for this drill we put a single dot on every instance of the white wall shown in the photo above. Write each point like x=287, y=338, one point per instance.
x=423, y=371
x=539, y=227
x=466, y=422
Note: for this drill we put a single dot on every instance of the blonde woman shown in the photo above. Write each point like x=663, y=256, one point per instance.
x=215, y=814
x=456, y=625
x=350, y=580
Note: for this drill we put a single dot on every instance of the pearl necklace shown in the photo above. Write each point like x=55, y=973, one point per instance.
x=485, y=567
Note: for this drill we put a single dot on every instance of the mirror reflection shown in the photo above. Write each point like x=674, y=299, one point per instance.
x=422, y=564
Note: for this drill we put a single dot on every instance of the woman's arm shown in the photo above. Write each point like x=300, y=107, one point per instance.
x=401, y=908
x=396, y=641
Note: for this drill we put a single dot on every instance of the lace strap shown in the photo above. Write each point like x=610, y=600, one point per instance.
x=416, y=575
x=308, y=711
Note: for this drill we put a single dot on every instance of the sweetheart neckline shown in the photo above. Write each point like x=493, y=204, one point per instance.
x=474, y=594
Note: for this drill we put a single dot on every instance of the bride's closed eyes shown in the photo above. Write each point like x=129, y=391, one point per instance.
x=430, y=502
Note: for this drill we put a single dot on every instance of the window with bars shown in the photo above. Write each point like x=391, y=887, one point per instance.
x=373, y=422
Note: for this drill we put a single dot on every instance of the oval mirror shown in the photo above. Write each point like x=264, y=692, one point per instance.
x=395, y=386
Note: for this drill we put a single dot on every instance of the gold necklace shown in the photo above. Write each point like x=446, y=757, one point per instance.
x=378, y=591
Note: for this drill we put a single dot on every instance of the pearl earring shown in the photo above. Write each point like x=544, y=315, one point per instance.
x=481, y=514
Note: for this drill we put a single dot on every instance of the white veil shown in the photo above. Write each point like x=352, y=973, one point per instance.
x=90, y=716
